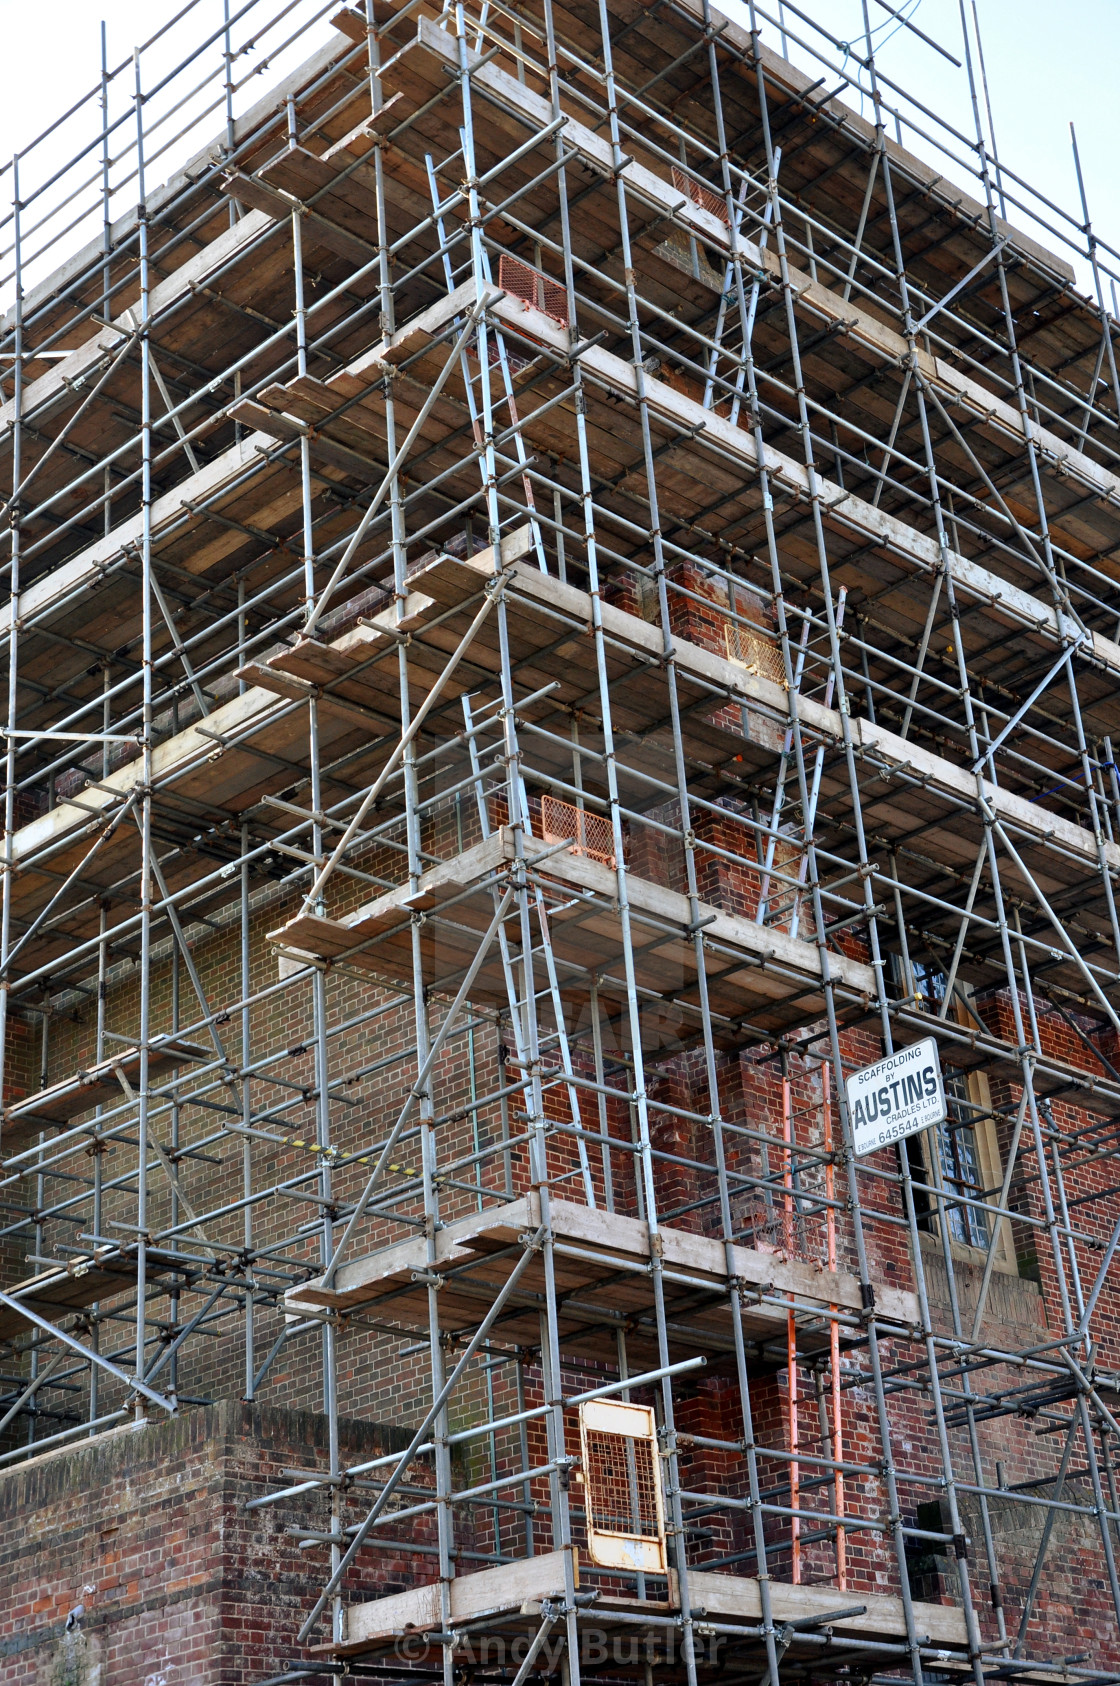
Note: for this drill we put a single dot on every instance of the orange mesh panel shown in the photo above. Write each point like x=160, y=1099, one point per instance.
x=591, y=833
x=494, y=352
x=621, y=1484
x=529, y=285
x=753, y=647
x=706, y=197
x=754, y=652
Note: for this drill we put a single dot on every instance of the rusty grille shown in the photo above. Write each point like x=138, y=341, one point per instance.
x=591, y=833
x=706, y=197
x=621, y=1484
x=533, y=287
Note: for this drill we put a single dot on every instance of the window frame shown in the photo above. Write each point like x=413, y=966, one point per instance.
x=991, y=1170
x=983, y=1128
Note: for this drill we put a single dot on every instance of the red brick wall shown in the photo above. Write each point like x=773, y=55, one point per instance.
x=146, y=1530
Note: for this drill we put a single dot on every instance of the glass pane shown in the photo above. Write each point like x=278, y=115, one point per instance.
x=960, y=1166
x=929, y=985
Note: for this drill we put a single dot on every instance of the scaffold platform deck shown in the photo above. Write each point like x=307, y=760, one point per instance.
x=99, y=1085
x=751, y=971
x=603, y=1262
x=510, y=1597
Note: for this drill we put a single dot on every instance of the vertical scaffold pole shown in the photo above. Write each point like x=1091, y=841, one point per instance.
x=12, y=711
x=145, y=815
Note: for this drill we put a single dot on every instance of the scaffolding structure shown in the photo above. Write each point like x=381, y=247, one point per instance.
x=563, y=598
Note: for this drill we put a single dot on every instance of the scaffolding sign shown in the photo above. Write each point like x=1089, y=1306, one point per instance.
x=896, y=1097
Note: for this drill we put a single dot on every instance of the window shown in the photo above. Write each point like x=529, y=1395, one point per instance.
x=968, y=1161
x=929, y=986
x=961, y=1170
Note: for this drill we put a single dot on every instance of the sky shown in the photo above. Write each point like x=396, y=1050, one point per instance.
x=1046, y=64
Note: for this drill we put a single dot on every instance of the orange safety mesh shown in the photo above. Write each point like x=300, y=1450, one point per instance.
x=494, y=353
x=754, y=652
x=752, y=646
x=532, y=287
x=620, y=1482
x=706, y=197
x=591, y=833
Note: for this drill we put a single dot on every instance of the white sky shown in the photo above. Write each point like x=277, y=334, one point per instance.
x=1046, y=63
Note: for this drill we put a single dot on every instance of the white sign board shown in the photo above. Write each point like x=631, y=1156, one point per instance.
x=896, y=1097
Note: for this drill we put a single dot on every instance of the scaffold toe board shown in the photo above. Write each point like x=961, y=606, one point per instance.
x=521, y=1589
x=750, y=970
x=603, y=1272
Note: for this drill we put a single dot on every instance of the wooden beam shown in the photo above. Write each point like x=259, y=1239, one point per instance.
x=169, y=759
x=737, y=1598
x=71, y=578
x=510, y=1587
x=72, y=1096
x=839, y=507
x=779, y=965
x=954, y=782
x=506, y=1587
